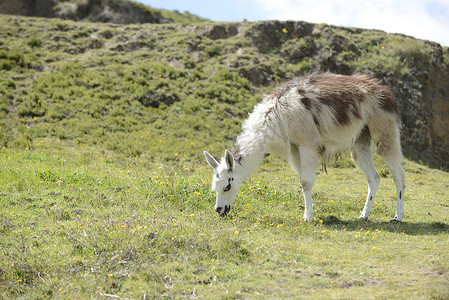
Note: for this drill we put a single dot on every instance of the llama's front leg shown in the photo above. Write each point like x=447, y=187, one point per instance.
x=307, y=172
x=305, y=165
x=307, y=189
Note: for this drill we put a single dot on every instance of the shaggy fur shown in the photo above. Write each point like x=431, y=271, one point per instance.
x=320, y=115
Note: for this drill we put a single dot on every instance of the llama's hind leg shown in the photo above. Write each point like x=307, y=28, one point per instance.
x=363, y=157
x=392, y=156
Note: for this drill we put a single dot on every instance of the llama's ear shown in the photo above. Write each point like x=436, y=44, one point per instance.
x=211, y=161
x=229, y=161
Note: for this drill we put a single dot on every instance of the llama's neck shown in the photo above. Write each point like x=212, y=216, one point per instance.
x=249, y=153
x=251, y=145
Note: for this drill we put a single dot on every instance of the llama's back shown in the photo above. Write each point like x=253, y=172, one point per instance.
x=331, y=110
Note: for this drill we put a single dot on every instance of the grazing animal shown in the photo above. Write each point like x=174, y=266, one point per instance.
x=319, y=115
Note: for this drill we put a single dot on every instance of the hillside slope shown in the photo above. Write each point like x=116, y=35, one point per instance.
x=110, y=85
x=113, y=11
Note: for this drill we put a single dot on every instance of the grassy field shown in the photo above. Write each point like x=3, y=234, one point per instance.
x=81, y=222
x=105, y=193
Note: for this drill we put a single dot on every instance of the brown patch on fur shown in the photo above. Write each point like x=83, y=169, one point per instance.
x=386, y=98
x=387, y=101
x=236, y=155
x=308, y=105
x=341, y=93
x=306, y=102
x=283, y=89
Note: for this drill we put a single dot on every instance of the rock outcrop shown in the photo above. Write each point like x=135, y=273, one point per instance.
x=114, y=11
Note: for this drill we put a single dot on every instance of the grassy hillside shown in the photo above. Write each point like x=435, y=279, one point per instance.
x=104, y=191
x=174, y=16
x=108, y=85
x=104, y=11
x=121, y=88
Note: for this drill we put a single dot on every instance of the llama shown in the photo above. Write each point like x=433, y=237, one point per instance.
x=313, y=117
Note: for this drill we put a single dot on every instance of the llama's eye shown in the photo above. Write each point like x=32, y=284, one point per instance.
x=227, y=188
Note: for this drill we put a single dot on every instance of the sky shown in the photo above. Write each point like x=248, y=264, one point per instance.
x=422, y=19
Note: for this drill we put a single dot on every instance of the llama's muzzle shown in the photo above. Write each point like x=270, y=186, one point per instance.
x=223, y=211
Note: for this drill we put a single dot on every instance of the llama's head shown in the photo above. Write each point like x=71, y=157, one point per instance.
x=226, y=181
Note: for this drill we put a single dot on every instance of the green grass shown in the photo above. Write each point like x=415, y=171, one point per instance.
x=104, y=189
x=81, y=222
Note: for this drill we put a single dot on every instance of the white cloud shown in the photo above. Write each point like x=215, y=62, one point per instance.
x=421, y=19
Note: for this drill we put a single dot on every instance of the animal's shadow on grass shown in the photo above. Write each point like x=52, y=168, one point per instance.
x=410, y=228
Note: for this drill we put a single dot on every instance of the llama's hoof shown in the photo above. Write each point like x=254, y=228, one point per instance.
x=362, y=218
x=308, y=219
x=395, y=220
